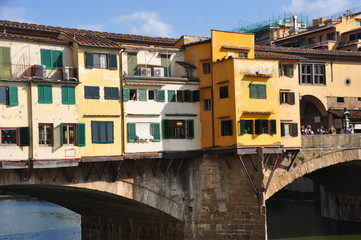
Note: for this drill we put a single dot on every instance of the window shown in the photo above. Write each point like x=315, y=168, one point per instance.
x=358, y=23
x=9, y=95
x=257, y=91
x=9, y=136
x=312, y=73
x=45, y=94
x=5, y=62
x=165, y=62
x=330, y=36
x=101, y=60
x=340, y=99
x=207, y=104
x=180, y=96
x=172, y=97
x=287, y=98
x=68, y=94
x=178, y=129
x=226, y=128
x=151, y=94
x=289, y=129
x=46, y=133
x=321, y=38
x=68, y=133
x=132, y=63
x=51, y=58
x=91, y=92
x=247, y=126
x=102, y=131
x=286, y=70
x=242, y=55
x=223, y=92
x=142, y=94
x=265, y=126
x=111, y=93
x=311, y=41
x=206, y=68
x=141, y=132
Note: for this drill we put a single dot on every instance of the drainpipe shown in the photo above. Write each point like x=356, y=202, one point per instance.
x=30, y=116
x=212, y=94
x=122, y=111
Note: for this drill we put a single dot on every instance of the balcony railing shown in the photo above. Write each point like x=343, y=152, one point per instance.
x=26, y=72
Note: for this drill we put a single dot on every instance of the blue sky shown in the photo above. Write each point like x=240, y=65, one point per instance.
x=163, y=18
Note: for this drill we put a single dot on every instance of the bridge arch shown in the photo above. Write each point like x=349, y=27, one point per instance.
x=313, y=160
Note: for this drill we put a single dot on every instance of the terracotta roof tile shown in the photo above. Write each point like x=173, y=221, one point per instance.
x=89, y=39
x=307, y=51
x=32, y=38
x=273, y=55
x=304, y=33
x=339, y=113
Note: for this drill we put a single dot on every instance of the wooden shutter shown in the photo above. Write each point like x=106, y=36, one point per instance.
x=165, y=62
x=294, y=129
x=196, y=95
x=283, y=130
x=64, y=95
x=89, y=60
x=292, y=98
x=24, y=133
x=281, y=99
x=5, y=62
x=107, y=93
x=142, y=94
x=280, y=67
x=95, y=131
x=80, y=132
x=113, y=65
x=262, y=91
x=160, y=95
x=46, y=57
x=41, y=94
x=61, y=133
x=95, y=92
x=110, y=132
x=273, y=127
x=13, y=96
x=258, y=126
x=57, y=58
x=190, y=128
x=132, y=63
x=291, y=69
x=155, y=131
x=187, y=96
x=171, y=96
x=132, y=136
x=114, y=93
x=48, y=93
x=87, y=92
x=253, y=91
x=165, y=124
x=243, y=126
x=126, y=94
x=3, y=98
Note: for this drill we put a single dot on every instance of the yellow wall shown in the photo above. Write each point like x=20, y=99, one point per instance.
x=99, y=109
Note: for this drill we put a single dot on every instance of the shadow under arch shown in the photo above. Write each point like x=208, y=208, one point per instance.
x=313, y=111
x=91, y=202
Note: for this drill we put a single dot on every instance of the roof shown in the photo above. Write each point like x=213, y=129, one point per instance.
x=307, y=51
x=304, y=33
x=353, y=30
x=274, y=55
x=339, y=113
x=32, y=38
x=88, y=37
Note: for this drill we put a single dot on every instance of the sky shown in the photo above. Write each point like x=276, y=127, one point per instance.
x=162, y=18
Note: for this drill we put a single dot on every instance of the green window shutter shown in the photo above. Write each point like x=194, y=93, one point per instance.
x=95, y=93
x=48, y=94
x=115, y=93
x=13, y=96
x=57, y=58
x=292, y=98
x=110, y=132
x=262, y=91
x=5, y=62
x=187, y=96
x=80, y=132
x=243, y=126
x=126, y=94
x=165, y=124
x=95, y=131
x=64, y=95
x=283, y=129
x=132, y=63
x=160, y=95
x=165, y=62
x=171, y=96
x=24, y=133
x=142, y=94
x=253, y=91
x=87, y=92
x=190, y=129
x=291, y=69
x=107, y=93
x=155, y=131
x=258, y=124
x=3, y=97
x=89, y=60
x=46, y=57
x=41, y=94
x=61, y=134
x=273, y=129
x=281, y=98
x=71, y=94
x=113, y=65
x=132, y=136
x=294, y=129
x=196, y=95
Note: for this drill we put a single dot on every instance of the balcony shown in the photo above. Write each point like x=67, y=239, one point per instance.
x=37, y=72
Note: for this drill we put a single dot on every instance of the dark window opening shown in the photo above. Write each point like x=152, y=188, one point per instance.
x=223, y=92
x=226, y=128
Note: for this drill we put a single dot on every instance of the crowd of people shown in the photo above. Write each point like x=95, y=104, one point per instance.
x=307, y=130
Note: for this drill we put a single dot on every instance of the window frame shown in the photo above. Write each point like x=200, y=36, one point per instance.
x=45, y=93
x=45, y=126
x=68, y=95
x=312, y=74
x=16, y=136
x=111, y=93
x=226, y=128
x=51, y=61
x=94, y=92
x=96, y=130
x=287, y=98
x=293, y=129
x=206, y=68
x=258, y=91
x=223, y=92
x=66, y=132
x=207, y=104
x=243, y=126
x=169, y=127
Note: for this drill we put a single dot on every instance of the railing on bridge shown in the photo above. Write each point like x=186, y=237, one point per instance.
x=331, y=141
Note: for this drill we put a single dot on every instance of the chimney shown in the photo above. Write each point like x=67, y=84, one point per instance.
x=294, y=23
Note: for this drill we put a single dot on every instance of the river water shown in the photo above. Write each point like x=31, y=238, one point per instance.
x=37, y=220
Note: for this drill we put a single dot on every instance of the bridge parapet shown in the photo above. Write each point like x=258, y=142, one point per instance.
x=331, y=141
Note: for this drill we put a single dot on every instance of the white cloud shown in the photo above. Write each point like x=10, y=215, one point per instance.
x=13, y=13
x=94, y=27
x=145, y=23
x=318, y=8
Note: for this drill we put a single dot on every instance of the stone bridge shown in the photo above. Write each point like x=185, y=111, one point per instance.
x=220, y=195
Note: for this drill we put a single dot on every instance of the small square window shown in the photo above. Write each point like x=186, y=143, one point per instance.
x=223, y=92
x=133, y=94
x=207, y=104
x=242, y=55
x=9, y=136
x=340, y=99
x=46, y=133
x=206, y=68
x=151, y=94
x=226, y=128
